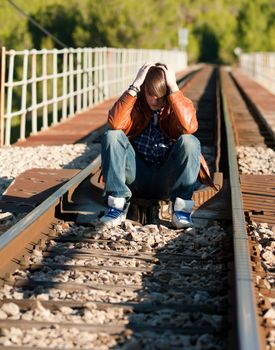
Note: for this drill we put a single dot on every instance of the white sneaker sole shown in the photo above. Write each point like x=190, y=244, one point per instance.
x=112, y=223
x=181, y=224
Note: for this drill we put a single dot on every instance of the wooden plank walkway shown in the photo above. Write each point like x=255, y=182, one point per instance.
x=263, y=101
x=73, y=129
x=259, y=197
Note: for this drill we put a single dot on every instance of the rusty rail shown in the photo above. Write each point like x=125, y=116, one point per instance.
x=246, y=309
x=14, y=241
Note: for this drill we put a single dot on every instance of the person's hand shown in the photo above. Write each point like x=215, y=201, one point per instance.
x=142, y=74
x=170, y=78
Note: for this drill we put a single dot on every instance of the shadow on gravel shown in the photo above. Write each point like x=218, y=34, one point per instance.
x=184, y=301
x=181, y=294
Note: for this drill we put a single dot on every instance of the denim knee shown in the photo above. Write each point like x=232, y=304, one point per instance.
x=189, y=143
x=110, y=137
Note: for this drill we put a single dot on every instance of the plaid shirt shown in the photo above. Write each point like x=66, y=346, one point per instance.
x=152, y=144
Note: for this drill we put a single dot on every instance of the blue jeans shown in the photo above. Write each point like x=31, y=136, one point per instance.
x=125, y=173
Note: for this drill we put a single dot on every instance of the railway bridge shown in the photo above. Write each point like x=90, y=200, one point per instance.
x=66, y=282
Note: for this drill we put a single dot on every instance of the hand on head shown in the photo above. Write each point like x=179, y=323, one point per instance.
x=170, y=76
x=142, y=74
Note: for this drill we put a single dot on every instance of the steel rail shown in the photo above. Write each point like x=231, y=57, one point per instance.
x=248, y=332
x=12, y=241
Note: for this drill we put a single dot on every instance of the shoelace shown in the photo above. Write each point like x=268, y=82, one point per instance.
x=113, y=213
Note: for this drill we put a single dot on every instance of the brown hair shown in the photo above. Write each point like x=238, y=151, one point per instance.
x=155, y=82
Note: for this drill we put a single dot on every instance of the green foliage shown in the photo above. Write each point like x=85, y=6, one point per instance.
x=252, y=24
x=215, y=27
x=59, y=20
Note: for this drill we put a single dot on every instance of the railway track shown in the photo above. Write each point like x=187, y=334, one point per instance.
x=138, y=286
x=252, y=130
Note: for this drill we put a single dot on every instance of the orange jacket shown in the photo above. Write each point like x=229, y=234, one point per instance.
x=178, y=117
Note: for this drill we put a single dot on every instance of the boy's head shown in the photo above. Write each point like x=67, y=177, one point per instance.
x=154, y=87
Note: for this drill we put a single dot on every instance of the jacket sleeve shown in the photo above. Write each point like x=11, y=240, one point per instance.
x=184, y=112
x=119, y=117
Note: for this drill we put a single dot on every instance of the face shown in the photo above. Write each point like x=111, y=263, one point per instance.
x=155, y=102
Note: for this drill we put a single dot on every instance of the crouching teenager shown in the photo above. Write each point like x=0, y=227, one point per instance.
x=150, y=150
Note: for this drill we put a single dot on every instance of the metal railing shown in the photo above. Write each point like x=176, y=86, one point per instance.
x=261, y=67
x=43, y=88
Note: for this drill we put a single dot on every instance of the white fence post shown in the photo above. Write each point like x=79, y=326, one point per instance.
x=34, y=93
x=45, y=89
x=96, y=79
x=100, y=75
x=24, y=95
x=2, y=94
x=124, y=72
x=78, y=80
x=85, y=79
x=55, y=86
x=105, y=74
x=9, y=99
x=65, y=85
x=71, y=81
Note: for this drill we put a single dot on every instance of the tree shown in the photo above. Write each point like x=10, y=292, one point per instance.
x=253, y=25
x=60, y=21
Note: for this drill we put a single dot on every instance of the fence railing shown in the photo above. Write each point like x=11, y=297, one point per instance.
x=261, y=67
x=43, y=88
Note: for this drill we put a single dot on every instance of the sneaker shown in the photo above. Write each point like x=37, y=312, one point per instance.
x=181, y=219
x=182, y=209
x=116, y=213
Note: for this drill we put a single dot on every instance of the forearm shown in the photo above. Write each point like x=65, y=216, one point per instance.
x=173, y=88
